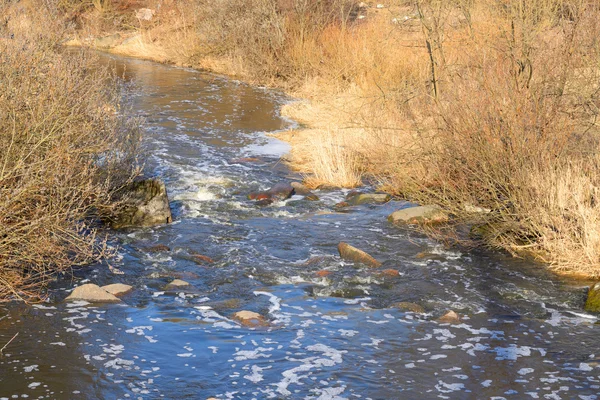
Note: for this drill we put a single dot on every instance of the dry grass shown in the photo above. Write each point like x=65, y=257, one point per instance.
x=470, y=104
x=65, y=154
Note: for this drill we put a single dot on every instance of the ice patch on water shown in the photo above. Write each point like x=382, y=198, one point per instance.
x=31, y=368
x=525, y=371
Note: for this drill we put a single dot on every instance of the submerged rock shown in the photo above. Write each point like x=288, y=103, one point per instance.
x=389, y=273
x=419, y=215
x=450, y=317
x=351, y=253
x=280, y=191
x=407, y=306
x=250, y=319
x=117, y=289
x=592, y=303
x=158, y=248
x=202, y=259
x=367, y=198
x=146, y=204
x=93, y=294
x=244, y=160
x=311, y=197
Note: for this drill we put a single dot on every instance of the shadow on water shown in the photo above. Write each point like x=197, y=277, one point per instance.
x=332, y=334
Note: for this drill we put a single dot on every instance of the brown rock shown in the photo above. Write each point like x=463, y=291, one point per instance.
x=450, y=317
x=177, y=284
x=117, y=289
x=407, y=306
x=323, y=273
x=350, y=253
x=93, y=294
x=202, y=259
x=250, y=319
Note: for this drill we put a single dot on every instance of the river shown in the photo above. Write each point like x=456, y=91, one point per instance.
x=522, y=334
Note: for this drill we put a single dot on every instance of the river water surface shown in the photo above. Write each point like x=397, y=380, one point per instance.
x=522, y=335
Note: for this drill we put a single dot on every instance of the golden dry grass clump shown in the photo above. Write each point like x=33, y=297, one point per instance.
x=65, y=151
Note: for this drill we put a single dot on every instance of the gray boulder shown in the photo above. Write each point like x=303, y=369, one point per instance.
x=353, y=254
x=93, y=294
x=146, y=204
x=419, y=215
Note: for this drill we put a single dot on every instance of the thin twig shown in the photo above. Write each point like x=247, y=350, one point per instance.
x=6, y=345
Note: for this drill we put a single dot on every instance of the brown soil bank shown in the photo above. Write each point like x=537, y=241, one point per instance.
x=486, y=108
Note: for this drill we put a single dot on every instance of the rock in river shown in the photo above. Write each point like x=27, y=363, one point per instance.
x=93, y=294
x=117, y=289
x=368, y=198
x=450, y=318
x=419, y=215
x=177, y=284
x=250, y=319
x=407, y=306
x=592, y=303
x=350, y=253
x=281, y=191
x=146, y=204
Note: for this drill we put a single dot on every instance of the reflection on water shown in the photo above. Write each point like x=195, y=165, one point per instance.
x=331, y=336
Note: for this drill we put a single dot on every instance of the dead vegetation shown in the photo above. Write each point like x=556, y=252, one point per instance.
x=487, y=108
x=66, y=150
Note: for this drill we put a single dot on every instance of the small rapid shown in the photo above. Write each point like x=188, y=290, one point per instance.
x=334, y=330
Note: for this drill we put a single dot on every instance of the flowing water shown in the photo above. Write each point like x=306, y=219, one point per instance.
x=522, y=333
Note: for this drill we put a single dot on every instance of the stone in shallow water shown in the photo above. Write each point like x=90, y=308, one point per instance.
x=450, y=317
x=592, y=303
x=177, y=284
x=368, y=198
x=250, y=318
x=351, y=253
x=93, y=294
x=146, y=204
x=419, y=215
x=117, y=289
x=407, y=306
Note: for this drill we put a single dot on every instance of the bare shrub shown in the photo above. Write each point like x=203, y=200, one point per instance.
x=514, y=131
x=66, y=151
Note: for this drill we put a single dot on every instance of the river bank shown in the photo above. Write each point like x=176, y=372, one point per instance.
x=435, y=103
x=403, y=95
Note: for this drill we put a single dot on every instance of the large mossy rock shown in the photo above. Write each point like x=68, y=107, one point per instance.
x=419, y=215
x=146, y=204
x=592, y=303
x=353, y=254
